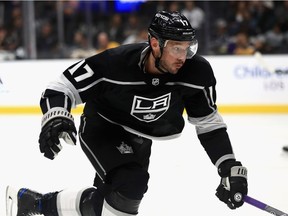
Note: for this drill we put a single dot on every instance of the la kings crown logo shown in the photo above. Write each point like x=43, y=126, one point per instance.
x=150, y=109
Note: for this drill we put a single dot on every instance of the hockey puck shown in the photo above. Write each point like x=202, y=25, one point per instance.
x=285, y=148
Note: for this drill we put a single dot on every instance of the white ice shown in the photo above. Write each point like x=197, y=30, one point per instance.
x=183, y=180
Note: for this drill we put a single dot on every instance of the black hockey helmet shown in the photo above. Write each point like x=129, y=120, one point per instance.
x=173, y=26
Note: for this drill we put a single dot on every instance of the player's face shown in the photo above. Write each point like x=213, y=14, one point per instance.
x=174, y=55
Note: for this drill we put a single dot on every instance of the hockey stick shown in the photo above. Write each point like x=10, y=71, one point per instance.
x=263, y=63
x=263, y=206
x=268, y=67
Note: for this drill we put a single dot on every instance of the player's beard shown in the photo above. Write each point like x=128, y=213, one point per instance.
x=171, y=68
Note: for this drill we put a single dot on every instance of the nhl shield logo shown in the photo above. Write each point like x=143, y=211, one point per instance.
x=150, y=109
x=155, y=81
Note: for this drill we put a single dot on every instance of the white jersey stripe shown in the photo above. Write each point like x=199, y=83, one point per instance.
x=136, y=83
x=185, y=84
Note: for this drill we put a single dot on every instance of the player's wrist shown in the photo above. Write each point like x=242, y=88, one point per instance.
x=224, y=169
x=56, y=112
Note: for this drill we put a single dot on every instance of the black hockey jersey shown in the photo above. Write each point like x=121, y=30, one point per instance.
x=114, y=85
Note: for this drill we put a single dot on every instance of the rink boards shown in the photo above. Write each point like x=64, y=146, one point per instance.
x=244, y=83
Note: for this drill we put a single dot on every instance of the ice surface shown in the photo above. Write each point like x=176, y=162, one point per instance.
x=183, y=180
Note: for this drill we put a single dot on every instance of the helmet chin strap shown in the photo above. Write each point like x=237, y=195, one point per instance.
x=157, y=62
x=157, y=59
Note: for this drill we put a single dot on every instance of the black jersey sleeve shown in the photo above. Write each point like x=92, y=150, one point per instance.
x=201, y=103
x=75, y=85
x=203, y=113
x=212, y=132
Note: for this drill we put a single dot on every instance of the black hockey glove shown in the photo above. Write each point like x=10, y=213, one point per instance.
x=56, y=123
x=233, y=185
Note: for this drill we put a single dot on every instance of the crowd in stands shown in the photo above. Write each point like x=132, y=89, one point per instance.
x=89, y=27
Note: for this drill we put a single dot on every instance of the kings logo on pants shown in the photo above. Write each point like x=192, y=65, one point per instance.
x=150, y=109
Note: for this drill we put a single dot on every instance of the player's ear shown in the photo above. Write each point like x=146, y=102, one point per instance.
x=154, y=43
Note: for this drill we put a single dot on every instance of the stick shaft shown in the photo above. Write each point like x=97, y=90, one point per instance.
x=263, y=206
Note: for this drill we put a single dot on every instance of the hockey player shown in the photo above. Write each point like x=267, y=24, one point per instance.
x=133, y=94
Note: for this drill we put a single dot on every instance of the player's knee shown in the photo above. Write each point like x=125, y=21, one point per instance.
x=126, y=187
x=120, y=204
x=91, y=202
x=131, y=181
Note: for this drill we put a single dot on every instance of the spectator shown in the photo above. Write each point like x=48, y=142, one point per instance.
x=262, y=15
x=219, y=38
x=132, y=25
x=47, y=44
x=138, y=37
x=241, y=19
x=194, y=14
x=45, y=10
x=3, y=38
x=256, y=18
x=242, y=45
x=4, y=45
x=116, y=28
x=15, y=29
x=161, y=5
x=71, y=19
x=80, y=48
x=258, y=42
x=173, y=6
x=274, y=39
x=103, y=42
x=281, y=13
